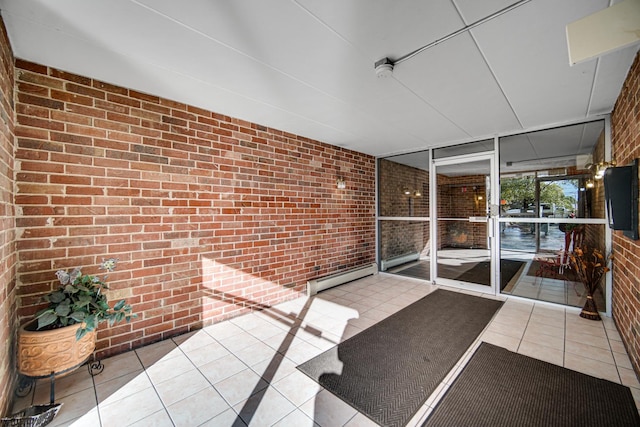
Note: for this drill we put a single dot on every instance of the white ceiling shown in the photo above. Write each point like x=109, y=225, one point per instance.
x=307, y=66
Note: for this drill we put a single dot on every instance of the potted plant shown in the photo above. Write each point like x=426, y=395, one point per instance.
x=62, y=335
x=589, y=265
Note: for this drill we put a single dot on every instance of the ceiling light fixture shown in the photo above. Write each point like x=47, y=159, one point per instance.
x=384, y=68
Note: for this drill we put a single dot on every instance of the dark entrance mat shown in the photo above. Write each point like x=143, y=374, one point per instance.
x=502, y=388
x=388, y=370
x=476, y=272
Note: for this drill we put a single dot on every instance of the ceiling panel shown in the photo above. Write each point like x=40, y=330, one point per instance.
x=454, y=79
x=306, y=67
x=386, y=28
x=474, y=10
x=532, y=65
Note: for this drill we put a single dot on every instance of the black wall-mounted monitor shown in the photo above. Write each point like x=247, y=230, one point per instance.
x=621, y=198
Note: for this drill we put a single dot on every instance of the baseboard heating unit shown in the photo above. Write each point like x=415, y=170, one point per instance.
x=386, y=264
x=317, y=285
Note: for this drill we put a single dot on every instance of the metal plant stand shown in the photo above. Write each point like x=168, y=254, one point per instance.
x=26, y=383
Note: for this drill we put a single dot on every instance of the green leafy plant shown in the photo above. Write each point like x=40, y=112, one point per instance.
x=81, y=300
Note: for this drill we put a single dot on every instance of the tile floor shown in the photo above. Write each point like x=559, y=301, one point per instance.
x=243, y=371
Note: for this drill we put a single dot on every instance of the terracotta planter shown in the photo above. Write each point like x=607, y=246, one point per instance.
x=56, y=351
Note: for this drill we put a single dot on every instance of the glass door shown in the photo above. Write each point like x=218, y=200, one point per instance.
x=464, y=225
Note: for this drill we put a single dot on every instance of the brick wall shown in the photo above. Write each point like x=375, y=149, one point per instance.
x=462, y=197
x=7, y=226
x=625, y=134
x=402, y=237
x=209, y=215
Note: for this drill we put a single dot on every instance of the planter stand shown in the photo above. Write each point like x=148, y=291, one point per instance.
x=26, y=382
x=53, y=353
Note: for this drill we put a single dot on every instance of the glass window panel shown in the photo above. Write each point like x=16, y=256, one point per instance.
x=546, y=174
x=404, y=248
x=461, y=149
x=403, y=185
x=546, y=273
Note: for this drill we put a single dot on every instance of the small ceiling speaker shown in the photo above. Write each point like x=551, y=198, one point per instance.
x=384, y=68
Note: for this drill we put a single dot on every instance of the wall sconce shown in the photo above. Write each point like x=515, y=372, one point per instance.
x=340, y=183
x=589, y=183
x=406, y=191
x=597, y=169
x=417, y=193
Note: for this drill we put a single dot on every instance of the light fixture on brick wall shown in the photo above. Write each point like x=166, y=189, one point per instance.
x=340, y=183
x=597, y=169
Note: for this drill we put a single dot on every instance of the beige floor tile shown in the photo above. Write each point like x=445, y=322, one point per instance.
x=132, y=408
x=123, y=386
x=591, y=352
x=325, y=341
x=240, y=386
x=157, y=419
x=275, y=369
x=297, y=387
x=613, y=335
x=239, y=341
x=264, y=408
x=537, y=351
x=255, y=354
x=628, y=377
x=197, y=408
x=591, y=367
x=299, y=419
x=265, y=331
x=119, y=365
x=537, y=327
x=518, y=305
x=226, y=418
x=583, y=326
x=223, y=330
x=544, y=340
x=301, y=352
x=505, y=329
x=622, y=360
x=222, y=368
x=203, y=355
x=87, y=419
x=588, y=339
x=153, y=353
x=548, y=316
x=617, y=347
x=75, y=382
x=248, y=321
x=328, y=410
x=374, y=314
x=181, y=387
x=504, y=341
x=164, y=370
x=194, y=340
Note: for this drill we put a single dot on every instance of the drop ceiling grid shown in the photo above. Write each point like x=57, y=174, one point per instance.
x=531, y=63
x=453, y=77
